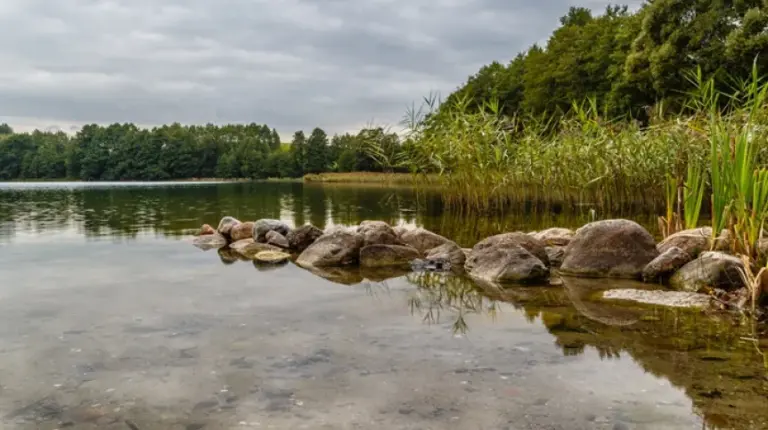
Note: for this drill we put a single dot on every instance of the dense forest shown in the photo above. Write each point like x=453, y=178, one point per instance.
x=626, y=64
x=127, y=152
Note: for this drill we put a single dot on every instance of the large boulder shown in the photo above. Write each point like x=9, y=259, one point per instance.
x=554, y=236
x=450, y=252
x=713, y=269
x=695, y=241
x=241, y=231
x=513, y=240
x=663, y=266
x=299, y=239
x=615, y=248
x=277, y=239
x=338, y=248
x=556, y=254
x=226, y=224
x=422, y=239
x=506, y=264
x=264, y=226
x=377, y=233
x=210, y=241
x=383, y=255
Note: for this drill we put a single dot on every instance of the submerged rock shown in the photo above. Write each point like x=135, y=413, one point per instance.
x=556, y=254
x=695, y=241
x=712, y=269
x=277, y=239
x=616, y=248
x=450, y=252
x=299, y=239
x=423, y=239
x=678, y=299
x=554, y=236
x=248, y=248
x=264, y=226
x=512, y=240
x=387, y=255
x=206, y=230
x=272, y=257
x=210, y=241
x=241, y=231
x=506, y=264
x=663, y=266
x=339, y=248
x=377, y=233
x=226, y=224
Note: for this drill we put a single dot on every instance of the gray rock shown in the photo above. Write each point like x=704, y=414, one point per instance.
x=264, y=226
x=450, y=252
x=712, y=269
x=377, y=233
x=299, y=239
x=695, y=241
x=554, y=236
x=422, y=239
x=210, y=241
x=676, y=299
x=506, y=264
x=513, y=240
x=383, y=255
x=556, y=254
x=338, y=248
x=400, y=230
x=226, y=224
x=277, y=239
x=663, y=266
x=616, y=248
x=241, y=231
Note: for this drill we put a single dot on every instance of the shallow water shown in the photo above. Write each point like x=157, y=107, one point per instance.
x=111, y=319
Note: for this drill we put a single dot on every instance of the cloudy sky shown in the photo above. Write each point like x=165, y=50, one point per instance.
x=293, y=64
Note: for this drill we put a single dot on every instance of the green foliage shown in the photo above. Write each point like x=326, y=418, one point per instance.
x=316, y=155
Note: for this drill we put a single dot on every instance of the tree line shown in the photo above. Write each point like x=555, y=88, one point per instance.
x=127, y=152
x=626, y=61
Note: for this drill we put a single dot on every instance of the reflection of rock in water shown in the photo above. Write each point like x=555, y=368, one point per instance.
x=383, y=273
x=229, y=256
x=579, y=290
x=266, y=267
x=339, y=275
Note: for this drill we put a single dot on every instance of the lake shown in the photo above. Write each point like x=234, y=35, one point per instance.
x=111, y=319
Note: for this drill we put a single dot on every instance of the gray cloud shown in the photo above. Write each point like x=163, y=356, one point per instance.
x=293, y=64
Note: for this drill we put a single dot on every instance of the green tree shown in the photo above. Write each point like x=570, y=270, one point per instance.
x=317, y=148
x=299, y=152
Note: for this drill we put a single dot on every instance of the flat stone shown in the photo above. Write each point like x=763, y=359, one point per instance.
x=677, y=299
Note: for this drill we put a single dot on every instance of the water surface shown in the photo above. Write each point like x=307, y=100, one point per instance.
x=110, y=319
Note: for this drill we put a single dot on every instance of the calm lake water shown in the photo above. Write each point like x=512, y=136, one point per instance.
x=111, y=319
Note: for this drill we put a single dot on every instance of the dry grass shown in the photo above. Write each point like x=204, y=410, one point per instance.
x=367, y=177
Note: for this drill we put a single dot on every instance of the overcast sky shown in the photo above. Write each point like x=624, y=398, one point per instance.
x=293, y=64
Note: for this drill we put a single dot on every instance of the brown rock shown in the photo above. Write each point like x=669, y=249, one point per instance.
x=554, y=236
x=206, y=230
x=450, y=252
x=663, y=266
x=277, y=239
x=616, y=248
x=387, y=255
x=512, y=240
x=210, y=241
x=510, y=263
x=695, y=241
x=556, y=254
x=241, y=231
x=226, y=224
x=377, y=233
x=300, y=238
x=338, y=248
x=423, y=239
x=248, y=248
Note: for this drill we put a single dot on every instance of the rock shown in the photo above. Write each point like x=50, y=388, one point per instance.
x=431, y=265
x=241, y=231
x=272, y=257
x=248, y=248
x=422, y=239
x=210, y=241
x=677, y=299
x=450, y=252
x=467, y=252
x=506, y=264
x=226, y=224
x=277, y=239
x=206, y=230
x=663, y=266
x=299, y=239
x=554, y=236
x=713, y=269
x=377, y=233
x=339, y=248
x=556, y=254
x=616, y=248
x=695, y=241
x=387, y=255
x=264, y=226
x=513, y=240
x=400, y=230
x=229, y=256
